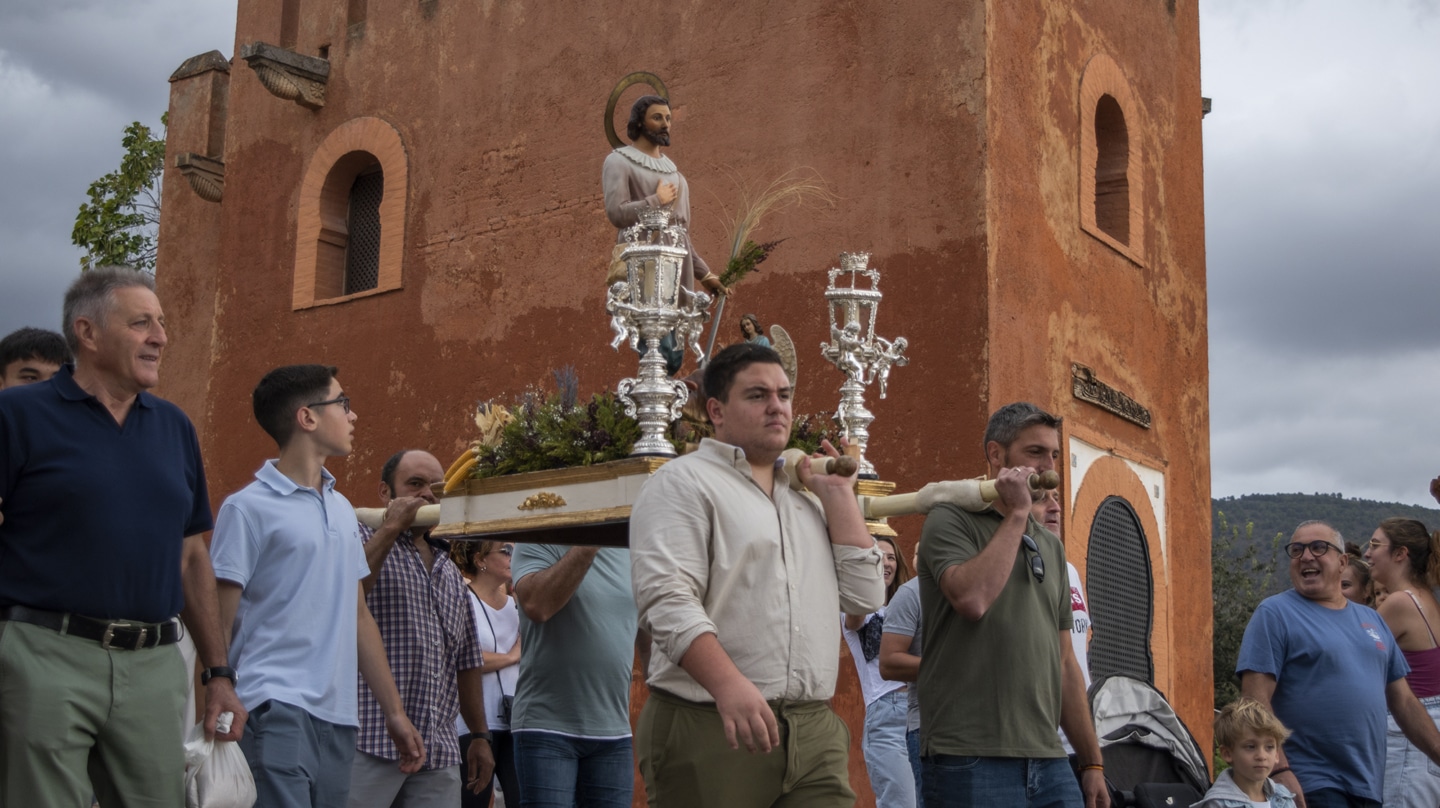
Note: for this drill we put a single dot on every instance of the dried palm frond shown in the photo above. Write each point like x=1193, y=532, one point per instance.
x=801, y=186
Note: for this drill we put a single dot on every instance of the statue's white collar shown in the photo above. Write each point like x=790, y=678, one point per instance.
x=662, y=164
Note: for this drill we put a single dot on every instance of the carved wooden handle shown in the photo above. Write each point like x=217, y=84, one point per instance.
x=843, y=465
x=1047, y=480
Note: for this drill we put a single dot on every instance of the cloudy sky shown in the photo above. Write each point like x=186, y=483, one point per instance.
x=1322, y=168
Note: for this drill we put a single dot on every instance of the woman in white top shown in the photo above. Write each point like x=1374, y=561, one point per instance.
x=887, y=759
x=497, y=625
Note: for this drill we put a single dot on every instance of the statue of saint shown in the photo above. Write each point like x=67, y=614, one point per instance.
x=639, y=176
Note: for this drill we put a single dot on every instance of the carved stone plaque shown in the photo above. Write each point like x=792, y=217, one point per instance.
x=1088, y=388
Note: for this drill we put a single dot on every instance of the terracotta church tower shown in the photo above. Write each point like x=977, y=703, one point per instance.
x=410, y=190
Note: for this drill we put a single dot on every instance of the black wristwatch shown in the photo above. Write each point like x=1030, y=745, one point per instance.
x=483, y=736
x=222, y=671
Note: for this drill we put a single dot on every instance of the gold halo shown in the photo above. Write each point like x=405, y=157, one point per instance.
x=638, y=77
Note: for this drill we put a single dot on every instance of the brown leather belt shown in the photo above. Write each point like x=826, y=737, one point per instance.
x=120, y=635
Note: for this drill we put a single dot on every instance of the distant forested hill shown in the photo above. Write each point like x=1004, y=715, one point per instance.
x=1356, y=519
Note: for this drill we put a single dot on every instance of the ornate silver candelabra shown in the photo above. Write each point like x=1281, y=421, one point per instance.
x=855, y=349
x=648, y=305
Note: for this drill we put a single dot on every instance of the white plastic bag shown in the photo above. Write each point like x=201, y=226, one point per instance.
x=216, y=774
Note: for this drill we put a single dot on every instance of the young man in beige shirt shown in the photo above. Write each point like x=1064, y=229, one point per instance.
x=738, y=579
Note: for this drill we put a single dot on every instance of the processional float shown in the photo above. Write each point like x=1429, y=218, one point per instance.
x=590, y=505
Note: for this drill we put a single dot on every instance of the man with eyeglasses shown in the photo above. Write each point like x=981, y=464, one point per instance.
x=999, y=671
x=289, y=563
x=420, y=604
x=1329, y=669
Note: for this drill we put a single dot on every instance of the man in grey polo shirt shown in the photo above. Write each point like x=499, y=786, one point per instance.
x=571, y=721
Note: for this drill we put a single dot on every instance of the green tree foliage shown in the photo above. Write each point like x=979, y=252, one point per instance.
x=119, y=224
x=1242, y=574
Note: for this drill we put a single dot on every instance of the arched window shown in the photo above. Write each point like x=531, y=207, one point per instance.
x=1112, y=164
x=1121, y=590
x=351, y=232
x=1112, y=203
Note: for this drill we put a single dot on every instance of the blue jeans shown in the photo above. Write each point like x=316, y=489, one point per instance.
x=960, y=780
x=886, y=757
x=1335, y=798
x=559, y=771
x=912, y=745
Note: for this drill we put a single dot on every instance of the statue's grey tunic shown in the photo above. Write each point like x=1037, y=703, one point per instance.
x=630, y=178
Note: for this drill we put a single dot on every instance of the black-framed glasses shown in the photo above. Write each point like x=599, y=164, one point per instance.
x=505, y=550
x=1317, y=548
x=1037, y=561
x=343, y=401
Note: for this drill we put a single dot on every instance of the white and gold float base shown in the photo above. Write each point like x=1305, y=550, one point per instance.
x=587, y=505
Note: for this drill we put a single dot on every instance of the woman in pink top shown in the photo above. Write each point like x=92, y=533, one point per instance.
x=1404, y=556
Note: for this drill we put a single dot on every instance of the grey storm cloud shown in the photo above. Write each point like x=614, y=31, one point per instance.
x=73, y=75
x=1322, y=171
x=121, y=51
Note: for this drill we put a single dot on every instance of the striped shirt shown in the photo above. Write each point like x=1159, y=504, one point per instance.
x=426, y=623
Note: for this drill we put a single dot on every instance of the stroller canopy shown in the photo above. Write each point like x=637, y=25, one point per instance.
x=1141, y=737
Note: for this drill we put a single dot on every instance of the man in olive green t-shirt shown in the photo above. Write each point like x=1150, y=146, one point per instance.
x=999, y=671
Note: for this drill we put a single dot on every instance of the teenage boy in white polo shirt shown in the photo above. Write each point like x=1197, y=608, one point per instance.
x=289, y=560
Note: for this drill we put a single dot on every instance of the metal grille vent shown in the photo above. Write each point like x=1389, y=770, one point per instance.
x=1120, y=588
x=362, y=253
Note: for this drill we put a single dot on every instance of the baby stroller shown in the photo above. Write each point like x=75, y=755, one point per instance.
x=1151, y=759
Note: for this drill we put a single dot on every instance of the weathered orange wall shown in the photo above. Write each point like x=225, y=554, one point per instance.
x=947, y=130
x=1059, y=295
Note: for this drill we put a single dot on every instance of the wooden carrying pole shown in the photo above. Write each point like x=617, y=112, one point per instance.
x=972, y=495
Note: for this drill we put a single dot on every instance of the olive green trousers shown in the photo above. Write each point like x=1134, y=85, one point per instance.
x=686, y=761
x=76, y=720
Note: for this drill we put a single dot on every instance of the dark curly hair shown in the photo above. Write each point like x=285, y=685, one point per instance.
x=636, y=125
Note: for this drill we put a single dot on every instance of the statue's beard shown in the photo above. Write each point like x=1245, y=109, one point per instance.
x=660, y=138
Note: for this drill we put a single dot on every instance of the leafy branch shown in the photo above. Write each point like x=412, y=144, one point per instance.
x=119, y=224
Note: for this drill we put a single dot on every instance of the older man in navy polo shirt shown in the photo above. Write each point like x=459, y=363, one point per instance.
x=103, y=502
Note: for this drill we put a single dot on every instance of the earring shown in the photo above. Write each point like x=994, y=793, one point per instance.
x=482, y=569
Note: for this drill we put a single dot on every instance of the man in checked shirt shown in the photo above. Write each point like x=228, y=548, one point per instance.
x=418, y=599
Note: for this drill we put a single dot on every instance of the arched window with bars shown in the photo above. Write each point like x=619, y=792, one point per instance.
x=351, y=234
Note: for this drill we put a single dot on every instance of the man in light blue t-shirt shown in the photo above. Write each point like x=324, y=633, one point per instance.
x=1329, y=669
x=571, y=721
x=289, y=561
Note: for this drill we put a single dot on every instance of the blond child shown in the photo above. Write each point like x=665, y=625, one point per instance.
x=1249, y=737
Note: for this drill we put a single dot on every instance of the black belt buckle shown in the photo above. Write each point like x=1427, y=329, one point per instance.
x=140, y=633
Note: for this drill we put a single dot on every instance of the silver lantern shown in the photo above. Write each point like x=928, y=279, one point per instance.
x=853, y=298
x=650, y=303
